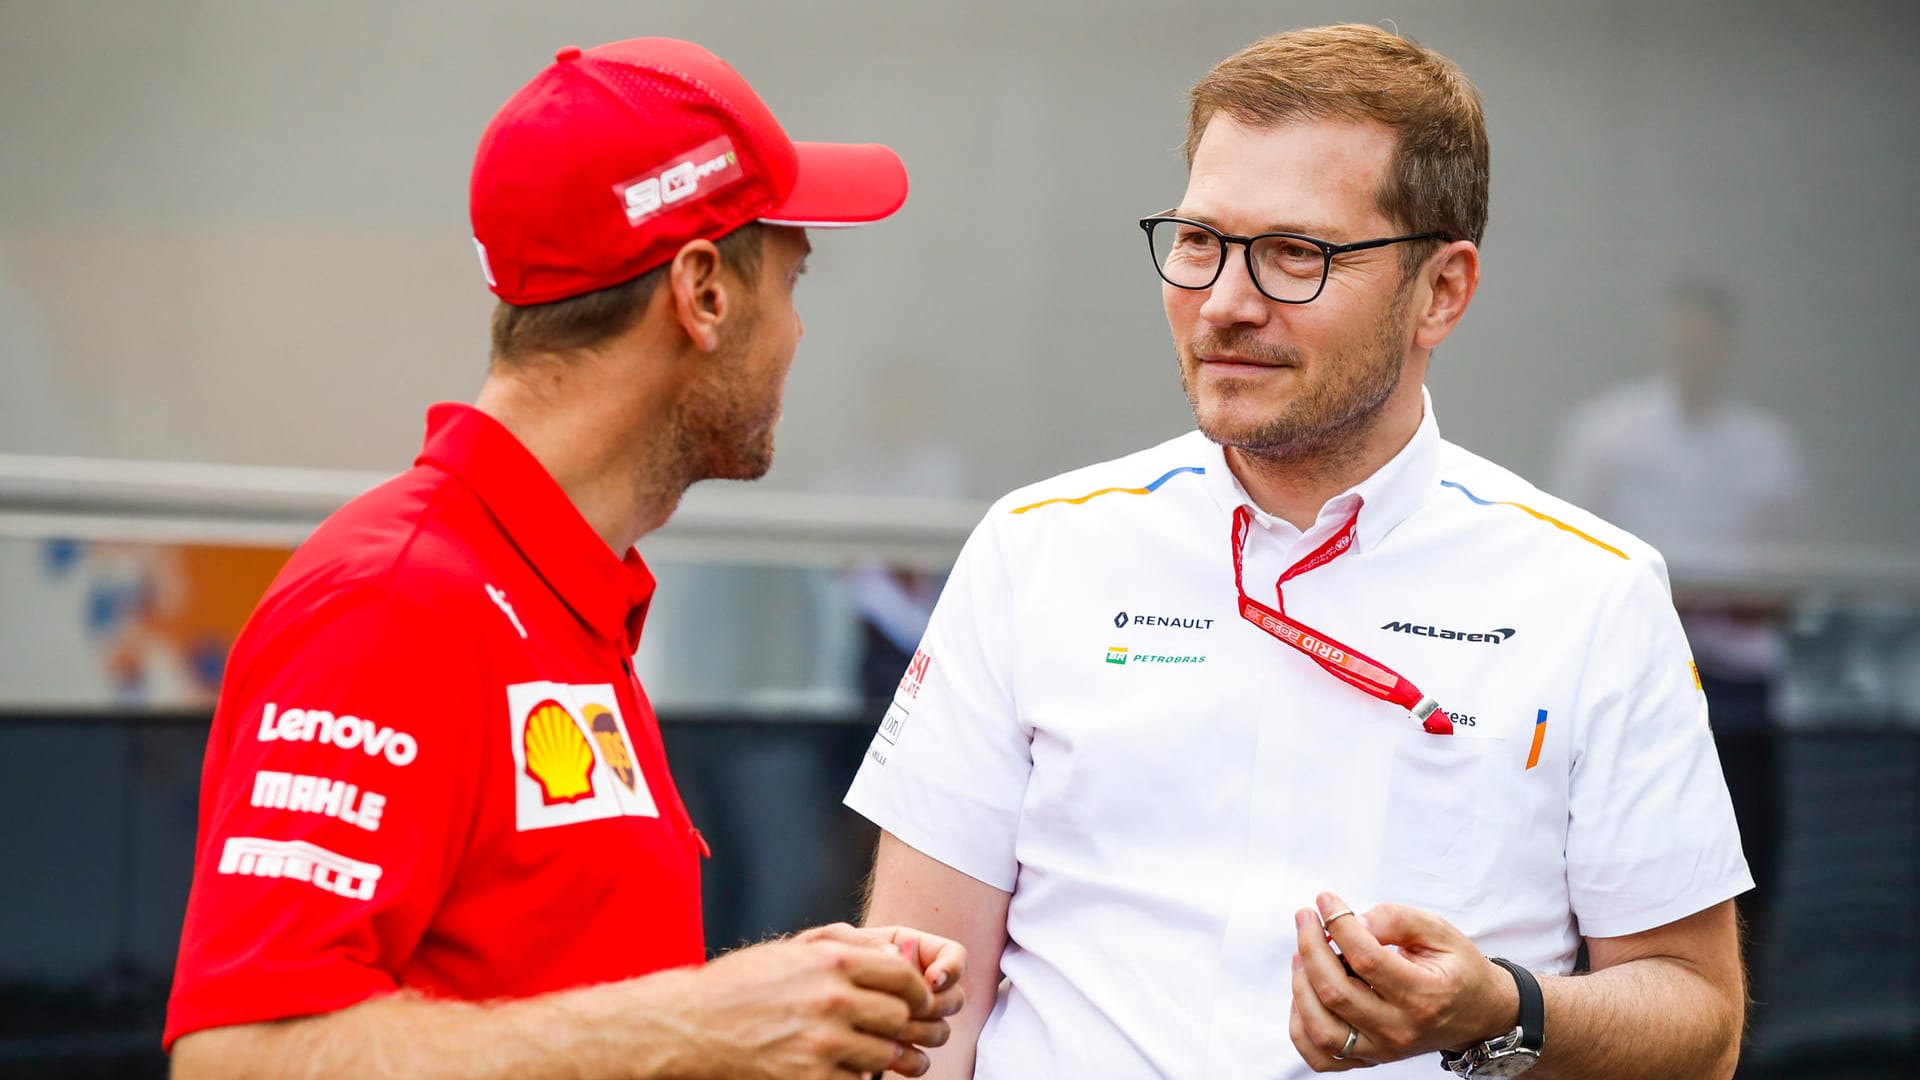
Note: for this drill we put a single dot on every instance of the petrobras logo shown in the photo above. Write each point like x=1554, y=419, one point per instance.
x=297, y=860
x=1491, y=637
x=573, y=759
x=693, y=175
x=1123, y=657
x=318, y=795
x=343, y=732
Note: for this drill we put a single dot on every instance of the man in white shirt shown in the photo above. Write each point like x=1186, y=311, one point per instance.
x=1312, y=679
x=1677, y=458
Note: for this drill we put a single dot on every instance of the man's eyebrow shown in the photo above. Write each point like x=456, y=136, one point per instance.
x=1315, y=229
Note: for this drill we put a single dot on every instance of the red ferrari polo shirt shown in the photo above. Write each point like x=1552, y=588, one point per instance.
x=431, y=765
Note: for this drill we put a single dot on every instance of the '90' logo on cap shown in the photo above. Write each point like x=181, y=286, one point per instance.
x=692, y=175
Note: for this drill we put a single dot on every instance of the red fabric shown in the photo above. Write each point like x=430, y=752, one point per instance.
x=389, y=614
x=615, y=157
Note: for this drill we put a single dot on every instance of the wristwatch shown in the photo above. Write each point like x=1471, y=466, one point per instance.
x=1516, y=1051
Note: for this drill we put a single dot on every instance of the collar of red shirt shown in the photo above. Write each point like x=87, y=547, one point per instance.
x=610, y=595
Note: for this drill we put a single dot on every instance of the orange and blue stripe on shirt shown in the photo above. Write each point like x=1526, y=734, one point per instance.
x=1549, y=519
x=1148, y=490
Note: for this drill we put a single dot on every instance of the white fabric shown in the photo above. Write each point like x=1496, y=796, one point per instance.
x=1723, y=480
x=1702, y=488
x=1159, y=821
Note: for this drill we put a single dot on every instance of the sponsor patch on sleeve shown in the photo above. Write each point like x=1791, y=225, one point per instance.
x=297, y=860
x=573, y=759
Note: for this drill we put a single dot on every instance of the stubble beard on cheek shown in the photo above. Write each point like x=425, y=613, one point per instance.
x=730, y=424
x=1334, y=403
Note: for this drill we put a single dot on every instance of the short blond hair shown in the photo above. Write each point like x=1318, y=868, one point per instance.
x=1438, y=179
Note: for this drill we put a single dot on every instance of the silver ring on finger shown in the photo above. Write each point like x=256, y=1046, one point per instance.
x=1327, y=923
x=1353, y=1037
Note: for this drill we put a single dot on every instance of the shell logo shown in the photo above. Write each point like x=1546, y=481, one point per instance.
x=558, y=755
x=613, y=750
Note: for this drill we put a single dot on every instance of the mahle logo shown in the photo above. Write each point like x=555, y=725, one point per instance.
x=1490, y=637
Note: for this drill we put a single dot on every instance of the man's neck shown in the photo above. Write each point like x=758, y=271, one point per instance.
x=1294, y=488
x=614, y=455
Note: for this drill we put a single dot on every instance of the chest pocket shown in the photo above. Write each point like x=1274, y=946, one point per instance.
x=1440, y=843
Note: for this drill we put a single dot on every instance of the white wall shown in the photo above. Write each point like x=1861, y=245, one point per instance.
x=237, y=231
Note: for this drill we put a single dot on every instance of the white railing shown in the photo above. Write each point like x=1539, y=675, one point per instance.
x=167, y=502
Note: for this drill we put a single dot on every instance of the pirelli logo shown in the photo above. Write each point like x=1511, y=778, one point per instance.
x=297, y=860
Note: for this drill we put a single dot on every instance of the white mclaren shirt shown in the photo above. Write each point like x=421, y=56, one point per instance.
x=1160, y=784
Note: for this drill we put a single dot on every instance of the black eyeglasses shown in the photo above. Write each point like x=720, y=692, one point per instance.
x=1285, y=267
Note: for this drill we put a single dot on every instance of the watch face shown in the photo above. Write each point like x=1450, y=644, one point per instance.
x=1508, y=1063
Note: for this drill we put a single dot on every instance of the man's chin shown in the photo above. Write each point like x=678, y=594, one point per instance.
x=1230, y=427
x=747, y=463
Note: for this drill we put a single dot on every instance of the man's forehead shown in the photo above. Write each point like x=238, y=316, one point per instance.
x=1317, y=176
x=793, y=238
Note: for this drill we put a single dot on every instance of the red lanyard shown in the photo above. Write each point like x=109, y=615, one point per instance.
x=1353, y=667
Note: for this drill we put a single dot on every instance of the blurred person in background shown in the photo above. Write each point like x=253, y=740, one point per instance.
x=1677, y=458
x=1170, y=761
x=438, y=834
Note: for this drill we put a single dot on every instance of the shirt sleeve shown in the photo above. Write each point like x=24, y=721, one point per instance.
x=947, y=770
x=1651, y=836
x=339, y=788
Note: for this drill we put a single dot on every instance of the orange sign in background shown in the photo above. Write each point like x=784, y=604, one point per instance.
x=132, y=624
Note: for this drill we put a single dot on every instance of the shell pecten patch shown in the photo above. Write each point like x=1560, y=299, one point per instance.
x=559, y=757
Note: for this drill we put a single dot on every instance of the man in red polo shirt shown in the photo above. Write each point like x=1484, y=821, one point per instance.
x=438, y=835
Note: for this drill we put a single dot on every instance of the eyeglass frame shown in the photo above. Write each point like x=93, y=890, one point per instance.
x=1327, y=251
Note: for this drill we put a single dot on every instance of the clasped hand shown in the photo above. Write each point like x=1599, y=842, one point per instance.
x=1411, y=984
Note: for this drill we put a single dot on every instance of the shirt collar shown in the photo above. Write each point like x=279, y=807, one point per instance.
x=610, y=595
x=1385, y=499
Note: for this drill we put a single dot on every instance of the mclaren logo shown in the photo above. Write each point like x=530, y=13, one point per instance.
x=1491, y=637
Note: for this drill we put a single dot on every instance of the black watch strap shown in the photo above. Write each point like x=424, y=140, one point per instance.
x=1533, y=1007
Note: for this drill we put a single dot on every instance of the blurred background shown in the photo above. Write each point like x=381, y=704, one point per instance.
x=235, y=268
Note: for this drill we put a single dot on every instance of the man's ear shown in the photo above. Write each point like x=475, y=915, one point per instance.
x=1452, y=280
x=698, y=293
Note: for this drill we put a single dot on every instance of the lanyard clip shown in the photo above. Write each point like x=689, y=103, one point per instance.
x=1432, y=719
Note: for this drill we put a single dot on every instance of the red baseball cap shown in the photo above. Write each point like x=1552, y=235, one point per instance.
x=615, y=157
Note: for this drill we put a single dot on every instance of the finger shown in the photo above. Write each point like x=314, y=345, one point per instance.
x=886, y=971
x=815, y=933
x=912, y=1063
x=1391, y=975
x=947, y=1002
x=944, y=961
x=1317, y=1059
x=875, y=1013
x=881, y=937
x=1413, y=930
x=925, y=1033
x=867, y=1053
x=1341, y=994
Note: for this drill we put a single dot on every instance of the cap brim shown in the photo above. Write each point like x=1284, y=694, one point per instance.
x=840, y=185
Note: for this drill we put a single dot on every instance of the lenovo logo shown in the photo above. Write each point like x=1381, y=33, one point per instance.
x=1492, y=637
